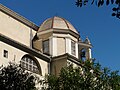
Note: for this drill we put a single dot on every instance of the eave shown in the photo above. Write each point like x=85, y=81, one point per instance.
x=18, y=17
x=24, y=48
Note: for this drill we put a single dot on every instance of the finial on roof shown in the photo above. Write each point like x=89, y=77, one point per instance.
x=56, y=14
x=87, y=41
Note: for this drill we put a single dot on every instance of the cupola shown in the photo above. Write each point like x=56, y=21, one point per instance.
x=57, y=36
x=57, y=23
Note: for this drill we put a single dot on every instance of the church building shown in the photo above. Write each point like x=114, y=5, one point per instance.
x=43, y=49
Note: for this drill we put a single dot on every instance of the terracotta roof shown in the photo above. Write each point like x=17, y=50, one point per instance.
x=57, y=23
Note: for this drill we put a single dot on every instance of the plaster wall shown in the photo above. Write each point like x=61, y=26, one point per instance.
x=44, y=36
x=57, y=65
x=16, y=30
x=15, y=55
x=61, y=46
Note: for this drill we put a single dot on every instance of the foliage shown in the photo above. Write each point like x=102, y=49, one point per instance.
x=13, y=77
x=89, y=76
x=116, y=10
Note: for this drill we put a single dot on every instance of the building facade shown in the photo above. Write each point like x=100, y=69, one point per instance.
x=40, y=49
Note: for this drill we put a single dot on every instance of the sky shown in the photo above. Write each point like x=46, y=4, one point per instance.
x=97, y=24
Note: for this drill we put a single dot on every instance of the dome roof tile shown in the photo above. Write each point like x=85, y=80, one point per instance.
x=57, y=23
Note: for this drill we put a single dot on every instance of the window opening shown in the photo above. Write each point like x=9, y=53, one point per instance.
x=46, y=47
x=5, y=54
x=73, y=51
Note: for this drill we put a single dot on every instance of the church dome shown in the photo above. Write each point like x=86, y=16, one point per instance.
x=57, y=23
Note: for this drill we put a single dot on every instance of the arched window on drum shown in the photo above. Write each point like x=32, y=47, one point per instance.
x=30, y=63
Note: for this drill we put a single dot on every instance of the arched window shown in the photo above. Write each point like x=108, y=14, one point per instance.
x=82, y=55
x=30, y=64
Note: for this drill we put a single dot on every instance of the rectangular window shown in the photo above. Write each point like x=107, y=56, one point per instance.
x=5, y=53
x=46, y=47
x=73, y=48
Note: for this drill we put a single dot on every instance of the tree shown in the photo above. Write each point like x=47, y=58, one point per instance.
x=116, y=10
x=13, y=77
x=89, y=76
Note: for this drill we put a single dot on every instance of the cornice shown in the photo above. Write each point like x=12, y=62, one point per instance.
x=60, y=31
x=66, y=31
x=84, y=44
x=24, y=48
x=67, y=57
x=18, y=17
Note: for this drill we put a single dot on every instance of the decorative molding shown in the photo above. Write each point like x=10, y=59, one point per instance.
x=67, y=57
x=76, y=47
x=24, y=48
x=84, y=44
x=18, y=17
x=66, y=31
x=54, y=46
x=60, y=31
